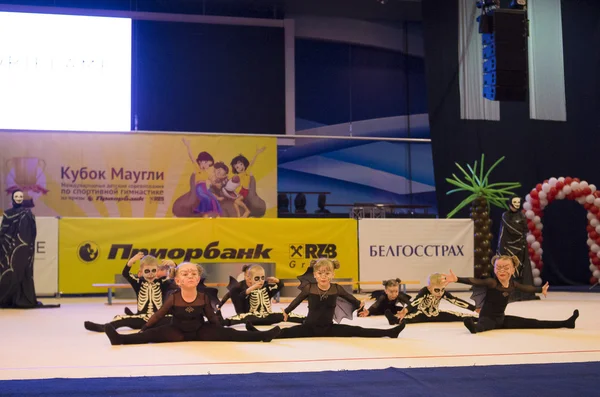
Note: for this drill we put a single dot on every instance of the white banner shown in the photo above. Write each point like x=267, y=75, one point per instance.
x=45, y=265
x=412, y=249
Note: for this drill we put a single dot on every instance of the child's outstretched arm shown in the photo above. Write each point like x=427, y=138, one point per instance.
x=458, y=302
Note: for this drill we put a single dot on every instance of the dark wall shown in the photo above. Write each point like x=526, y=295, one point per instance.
x=213, y=78
x=534, y=150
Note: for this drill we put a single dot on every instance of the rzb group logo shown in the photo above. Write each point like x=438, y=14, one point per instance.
x=88, y=251
x=312, y=251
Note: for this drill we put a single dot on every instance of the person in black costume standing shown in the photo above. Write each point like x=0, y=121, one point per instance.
x=17, y=248
x=322, y=301
x=188, y=306
x=512, y=241
x=499, y=289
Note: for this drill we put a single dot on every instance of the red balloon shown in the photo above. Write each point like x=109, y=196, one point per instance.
x=568, y=180
x=535, y=203
x=537, y=233
x=594, y=209
x=534, y=194
x=538, y=187
x=536, y=258
x=540, y=239
x=587, y=191
x=592, y=255
x=593, y=234
x=553, y=191
x=589, y=228
x=531, y=251
x=597, y=241
x=559, y=185
x=596, y=260
x=593, y=280
x=597, y=193
x=587, y=206
x=570, y=196
x=577, y=180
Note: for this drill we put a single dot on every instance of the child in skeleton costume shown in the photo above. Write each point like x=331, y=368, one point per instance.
x=322, y=298
x=149, y=291
x=387, y=300
x=499, y=289
x=188, y=307
x=259, y=294
x=426, y=305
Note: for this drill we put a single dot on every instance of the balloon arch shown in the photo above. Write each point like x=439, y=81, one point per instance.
x=559, y=189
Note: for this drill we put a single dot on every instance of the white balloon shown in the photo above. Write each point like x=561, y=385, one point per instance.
x=561, y=195
x=533, y=265
x=539, y=226
x=539, y=251
x=598, y=229
x=583, y=184
x=537, y=282
x=552, y=181
x=527, y=206
x=561, y=179
x=598, y=254
x=529, y=214
x=535, y=272
x=546, y=187
x=590, y=242
x=593, y=187
x=542, y=195
x=580, y=200
x=594, y=222
x=595, y=248
x=590, y=198
x=597, y=202
x=567, y=189
x=528, y=198
x=591, y=216
x=593, y=268
x=575, y=185
x=536, y=245
x=531, y=238
x=537, y=219
x=543, y=203
x=596, y=273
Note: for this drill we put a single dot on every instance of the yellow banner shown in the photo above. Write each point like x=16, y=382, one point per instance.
x=140, y=175
x=94, y=250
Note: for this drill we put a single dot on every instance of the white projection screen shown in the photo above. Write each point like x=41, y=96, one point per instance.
x=65, y=72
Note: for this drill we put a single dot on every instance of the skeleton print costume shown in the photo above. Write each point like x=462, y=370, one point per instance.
x=426, y=308
x=260, y=311
x=149, y=301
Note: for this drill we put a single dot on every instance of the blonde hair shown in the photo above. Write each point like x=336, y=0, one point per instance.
x=513, y=258
x=435, y=278
x=322, y=262
x=255, y=268
x=148, y=260
x=175, y=271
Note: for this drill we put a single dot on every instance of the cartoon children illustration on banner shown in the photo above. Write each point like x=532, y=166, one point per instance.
x=215, y=193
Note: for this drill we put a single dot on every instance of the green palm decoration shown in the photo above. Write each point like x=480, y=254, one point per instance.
x=482, y=195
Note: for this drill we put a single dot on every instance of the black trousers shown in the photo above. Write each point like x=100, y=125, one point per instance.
x=442, y=317
x=207, y=332
x=513, y=322
x=332, y=330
